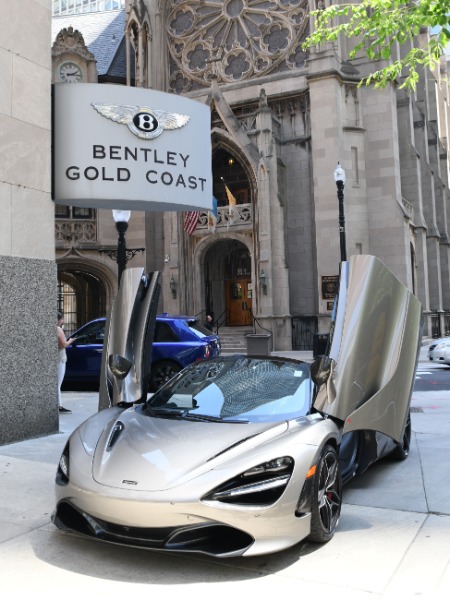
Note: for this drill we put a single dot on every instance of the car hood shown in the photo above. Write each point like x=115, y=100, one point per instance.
x=140, y=452
x=376, y=334
x=444, y=340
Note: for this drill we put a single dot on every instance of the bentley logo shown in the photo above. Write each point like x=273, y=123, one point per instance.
x=144, y=122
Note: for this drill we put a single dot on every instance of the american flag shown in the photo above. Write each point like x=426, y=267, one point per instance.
x=190, y=221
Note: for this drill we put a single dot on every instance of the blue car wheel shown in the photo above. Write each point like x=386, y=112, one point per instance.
x=162, y=372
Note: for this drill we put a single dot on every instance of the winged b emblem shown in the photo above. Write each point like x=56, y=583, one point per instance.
x=146, y=123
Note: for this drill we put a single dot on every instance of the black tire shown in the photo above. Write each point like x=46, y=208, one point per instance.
x=401, y=451
x=162, y=372
x=326, y=500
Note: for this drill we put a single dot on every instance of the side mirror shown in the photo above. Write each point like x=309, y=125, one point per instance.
x=119, y=365
x=321, y=369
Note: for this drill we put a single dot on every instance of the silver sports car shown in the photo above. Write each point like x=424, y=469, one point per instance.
x=241, y=455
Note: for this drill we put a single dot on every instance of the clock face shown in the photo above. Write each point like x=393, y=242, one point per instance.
x=69, y=72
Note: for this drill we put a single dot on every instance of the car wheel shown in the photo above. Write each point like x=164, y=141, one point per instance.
x=326, y=498
x=401, y=451
x=162, y=372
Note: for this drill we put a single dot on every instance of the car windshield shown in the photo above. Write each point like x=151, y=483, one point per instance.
x=236, y=388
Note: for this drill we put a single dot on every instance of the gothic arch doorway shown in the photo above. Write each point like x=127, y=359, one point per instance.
x=228, y=284
x=81, y=297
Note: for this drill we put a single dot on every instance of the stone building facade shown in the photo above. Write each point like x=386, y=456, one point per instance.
x=28, y=376
x=281, y=120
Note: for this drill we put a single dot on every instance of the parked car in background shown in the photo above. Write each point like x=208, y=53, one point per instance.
x=178, y=342
x=439, y=351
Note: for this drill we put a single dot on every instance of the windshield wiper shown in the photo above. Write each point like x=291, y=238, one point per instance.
x=209, y=418
x=169, y=413
x=172, y=413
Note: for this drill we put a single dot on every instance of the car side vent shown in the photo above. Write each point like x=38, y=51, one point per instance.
x=115, y=433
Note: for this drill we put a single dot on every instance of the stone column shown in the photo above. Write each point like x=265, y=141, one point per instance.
x=274, y=296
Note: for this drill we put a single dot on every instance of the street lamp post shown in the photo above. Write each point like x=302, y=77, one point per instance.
x=339, y=177
x=121, y=254
x=121, y=218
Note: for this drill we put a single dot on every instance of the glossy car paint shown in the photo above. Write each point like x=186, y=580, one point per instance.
x=146, y=482
x=130, y=333
x=374, y=350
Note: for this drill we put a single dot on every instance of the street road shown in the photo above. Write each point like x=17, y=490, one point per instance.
x=431, y=377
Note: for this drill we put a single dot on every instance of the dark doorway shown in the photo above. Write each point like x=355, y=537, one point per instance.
x=81, y=297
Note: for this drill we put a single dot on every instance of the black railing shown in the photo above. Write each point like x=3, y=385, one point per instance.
x=447, y=322
x=435, y=324
x=217, y=322
x=303, y=331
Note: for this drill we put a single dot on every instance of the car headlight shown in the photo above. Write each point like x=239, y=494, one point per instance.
x=261, y=485
x=62, y=473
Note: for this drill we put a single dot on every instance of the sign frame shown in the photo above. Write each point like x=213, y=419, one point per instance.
x=120, y=147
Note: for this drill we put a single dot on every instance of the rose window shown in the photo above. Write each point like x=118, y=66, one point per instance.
x=234, y=39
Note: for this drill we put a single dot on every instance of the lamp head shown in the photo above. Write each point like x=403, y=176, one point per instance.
x=339, y=174
x=121, y=216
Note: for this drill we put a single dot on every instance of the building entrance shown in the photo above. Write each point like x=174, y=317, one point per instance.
x=228, y=283
x=239, y=302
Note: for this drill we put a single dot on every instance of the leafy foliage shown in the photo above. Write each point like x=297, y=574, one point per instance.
x=378, y=25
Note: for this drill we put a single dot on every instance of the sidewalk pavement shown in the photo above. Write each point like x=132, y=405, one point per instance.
x=393, y=539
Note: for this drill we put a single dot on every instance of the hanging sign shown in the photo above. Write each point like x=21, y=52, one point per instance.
x=130, y=148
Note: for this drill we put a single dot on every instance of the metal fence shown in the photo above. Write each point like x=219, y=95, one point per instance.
x=447, y=323
x=437, y=329
x=303, y=332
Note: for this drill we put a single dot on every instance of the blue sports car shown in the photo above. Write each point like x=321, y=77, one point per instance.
x=178, y=342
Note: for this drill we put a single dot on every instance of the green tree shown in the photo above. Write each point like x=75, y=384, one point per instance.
x=377, y=25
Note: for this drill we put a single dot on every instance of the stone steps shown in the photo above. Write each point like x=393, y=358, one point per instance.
x=233, y=340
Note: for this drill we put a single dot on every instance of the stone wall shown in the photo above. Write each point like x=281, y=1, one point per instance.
x=28, y=349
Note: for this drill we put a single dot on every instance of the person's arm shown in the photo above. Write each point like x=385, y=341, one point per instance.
x=62, y=342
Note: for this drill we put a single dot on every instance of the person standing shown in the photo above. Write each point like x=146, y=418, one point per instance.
x=209, y=322
x=62, y=358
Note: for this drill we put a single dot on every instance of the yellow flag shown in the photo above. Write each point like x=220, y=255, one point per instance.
x=231, y=198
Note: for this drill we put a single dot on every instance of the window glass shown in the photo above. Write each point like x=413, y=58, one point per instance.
x=198, y=329
x=236, y=291
x=62, y=212
x=94, y=333
x=81, y=213
x=248, y=388
x=164, y=333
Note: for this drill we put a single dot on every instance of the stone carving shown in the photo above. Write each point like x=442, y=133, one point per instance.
x=242, y=214
x=71, y=40
x=252, y=37
x=75, y=231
